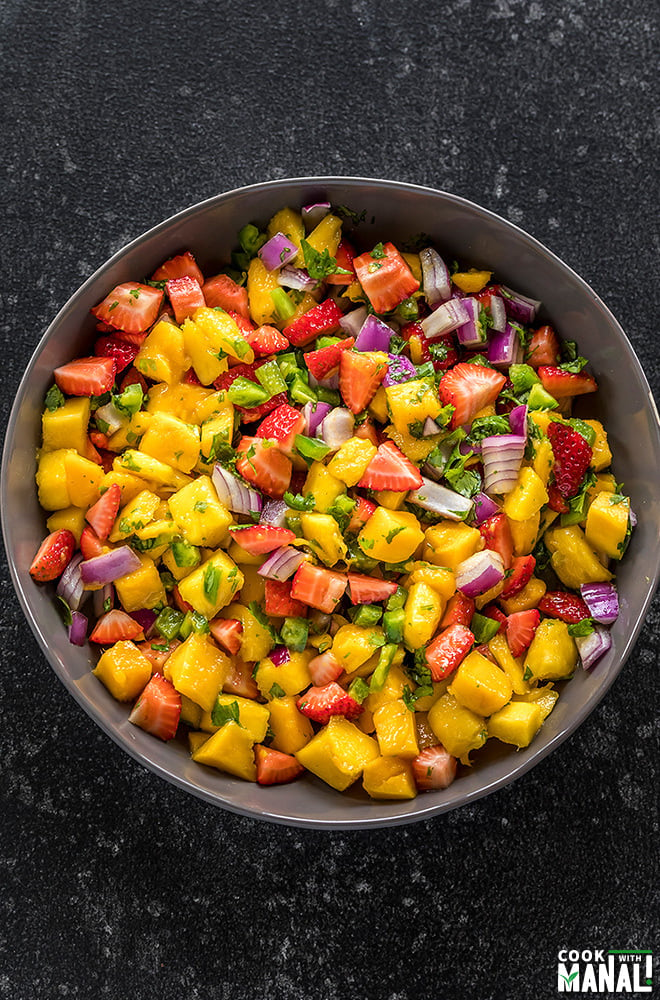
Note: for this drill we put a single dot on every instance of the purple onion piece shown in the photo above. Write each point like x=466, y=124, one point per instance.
x=399, y=369
x=592, y=647
x=331, y=381
x=146, y=618
x=234, y=494
x=274, y=513
x=504, y=348
x=518, y=306
x=479, y=573
x=278, y=251
x=313, y=213
x=77, y=630
x=518, y=420
x=471, y=333
x=497, y=313
x=374, y=335
x=106, y=595
x=282, y=563
x=279, y=656
x=430, y=428
x=337, y=428
x=71, y=587
x=633, y=519
x=484, y=507
x=440, y=500
x=296, y=278
x=314, y=414
x=602, y=601
x=447, y=317
x=351, y=322
x=110, y=566
x=501, y=455
x=436, y=282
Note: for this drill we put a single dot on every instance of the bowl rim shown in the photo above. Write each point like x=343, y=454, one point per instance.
x=267, y=814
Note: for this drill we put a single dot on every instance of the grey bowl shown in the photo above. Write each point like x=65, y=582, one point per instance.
x=392, y=211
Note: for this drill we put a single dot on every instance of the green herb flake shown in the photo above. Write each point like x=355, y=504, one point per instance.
x=378, y=252
x=54, y=399
x=221, y=714
x=320, y=265
x=276, y=691
x=211, y=583
x=581, y=628
x=200, y=506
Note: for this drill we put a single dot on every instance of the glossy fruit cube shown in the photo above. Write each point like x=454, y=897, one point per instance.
x=389, y=778
x=124, y=670
x=516, y=723
x=396, y=730
x=450, y=543
x=211, y=586
x=480, y=685
x=143, y=588
x=200, y=516
x=338, y=753
x=197, y=669
x=230, y=749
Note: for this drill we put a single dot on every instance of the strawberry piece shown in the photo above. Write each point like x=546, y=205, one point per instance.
x=420, y=347
x=387, y=280
x=368, y=432
x=190, y=377
x=360, y=375
x=227, y=632
x=361, y=514
x=321, y=703
x=496, y=533
x=459, y=611
x=555, y=500
x=278, y=602
x=320, y=363
x=257, y=539
x=267, y=340
x=282, y=425
x=448, y=650
x=493, y=612
x=134, y=377
x=324, y=669
x=105, y=328
x=572, y=457
x=434, y=767
x=186, y=295
x=389, y=469
x=179, y=601
x=239, y=679
x=253, y=413
x=107, y=459
x=158, y=657
x=469, y=388
x=98, y=439
x=484, y=650
x=261, y=463
x=344, y=256
x=137, y=339
x=86, y=376
x=130, y=307
x=90, y=544
x=158, y=708
x=560, y=383
x=275, y=767
x=520, y=629
x=122, y=354
x=366, y=589
x=244, y=323
x=241, y=370
x=102, y=514
x=183, y=265
x=92, y=454
x=543, y=348
x=522, y=569
x=53, y=556
x=114, y=626
x=318, y=587
x=222, y=291
x=323, y=318
x=560, y=604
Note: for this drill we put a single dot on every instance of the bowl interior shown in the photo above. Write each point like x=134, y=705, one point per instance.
x=390, y=211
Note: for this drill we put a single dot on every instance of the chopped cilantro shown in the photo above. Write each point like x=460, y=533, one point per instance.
x=348, y=213
x=617, y=498
x=211, y=583
x=64, y=610
x=222, y=714
x=408, y=698
x=378, y=252
x=298, y=502
x=582, y=628
x=263, y=619
x=200, y=506
x=486, y=427
x=527, y=676
x=276, y=691
x=320, y=265
x=391, y=535
x=54, y=399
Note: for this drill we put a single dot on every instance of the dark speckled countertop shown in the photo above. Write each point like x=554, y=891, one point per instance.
x=115, y=884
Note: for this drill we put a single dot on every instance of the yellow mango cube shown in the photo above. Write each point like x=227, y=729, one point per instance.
x=129, y=484
x=527, y=496
x=511, y=665
x=291, y=729
x=191, y=713
x=471, y=281
x=66, y=427
x=260, y=284
x=601, y=455
x=392, y=689
x=242, y=557
x=605, y=483
x=545, y=697
x=323, y=486
x=543, y=460
x=516, y=723
x=291, y=677
x=252, y=716
x=192, y=403
x=124, y=670
x=425, y=703
x=552, y=654
x=162, y=356
x=390, y=535
x=480, y=685
x=199, y=515
x=324, y=537
x=524, y=534
x=438, y=578
x=525, y=599
x=130, y=433
x=416, y=449
x=389, y=778
x=211, y=586
x=146, y=467
x=136, y=514
x=230, y=750
x=338, y=753
x=217, y=431
x=378, y=405
x=143, y=588
x=326, y=235
x=156, y=538
x=198, y=669
x=208, y=337
x=256, y=641
x=195, y=741
x=412, y=403
x=573, y=559
x=449, y=543
x=289, y=222
x=172, y=441
x=414, y=263
x=254, y=586
x=424, y=609
x=458, y=728
x=353, y=645
x=396, y=731
x=350, y=462
x=390, y=499
x=71, y=518
x=607, y=524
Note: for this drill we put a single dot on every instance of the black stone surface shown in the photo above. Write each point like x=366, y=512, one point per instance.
x=113, y=883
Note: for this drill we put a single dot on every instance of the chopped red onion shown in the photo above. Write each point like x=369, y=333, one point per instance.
x=592, y=647
x=279, y=656
x=312, y=214
x=479, y=573
x=274, y=513
x=497, y=313
x=484, y=507
x=440, y=500
x=504, y=348
x=501, y=455
x=145, y=618
x=351, y=322
x=234, y=494
x=374, y=335
x=282, y=563
x=110, y=566
x=471, y=333
x=101, y=598
x=518, y=306
x=447, y=317
x=602, y=601
x=430, y=428
x=296, y=278
x=314, y=414
x=277, y=252
x=399, y=369
x=337, y=428
x=518, y=420
x=77, y=630
x=329, y=382
x=435, y=277
x=71, y=587
x=633, y=519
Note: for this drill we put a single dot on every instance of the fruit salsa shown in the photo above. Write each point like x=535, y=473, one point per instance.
x=329, y=510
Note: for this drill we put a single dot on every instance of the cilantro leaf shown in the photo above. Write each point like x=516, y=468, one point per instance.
x=574, y=366
x=486, y=427
x=378, y=252
x=523, y=378
x=298, y=502
x=222, y=714
x=582, y=628
x=320, y=265
x=54, y=399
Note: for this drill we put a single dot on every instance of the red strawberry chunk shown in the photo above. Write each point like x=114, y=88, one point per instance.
x=522, y=569
x=53, y=556
x=102, y=514
x=282, y=425
x=186, y=295
x=323, y=318
x=321, y=703
x=560, y=604
x=543, y=348
x=122, y=354
x=253, y=413
x=222, y=291
x=318, y=587
x=366, y=589
x=344, y=257
x=320, y=363
x=361, y=514
x=448, y=650
x=520, y=629
x=183, y=265
x=158, y=708
x=390, y=469
x=469, y=388
x=560, y=383
x=275, y=767
x=261, y=463
x=190, y=377
x=572, y=457
x=239, y=680
x=227, y=632
x=90, y=544
x=493, y=612
x=158, y=657
x=459, y=611
x=360, y=375
x=278, y=601
x=130, y=307
x=434, y=767
x=86, y=376
x=114, y=626
x=387, y=280
x=258, y=539
x=267, y=340
x=241, y=370
x=324, y=668
x=496, y=533
x=556, y=501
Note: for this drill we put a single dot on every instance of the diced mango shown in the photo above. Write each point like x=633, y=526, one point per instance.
x=572, y=558
x=197, y=669
x=156, y=538
x=260, y=284
x=553, y=654
x=66, y=427
x=191, y=713
x=480, y=685
x=256, y=641
x=289, y=222
x=71, y=518
x=527, y=496
x=601, y=455
x=389, y=778
x=392, y=689
x=252, y=716
x=543, y=460
x=211, y=586
x=424, y=609
x=428, y=700
x=162, y=356
x=350, y=462
x=324, y=537
x=218, y=333
x=412, y=403
x=124, y=670
x=217, y=431
x=516, y=723
x=450, y=543
x=254, y=586
x=146, y=467
x=230, y=750
x=395, y=730
x=192, y=403
x=378, y=405
x=545, y=697
x=524, y=534
x=391, y=499
x=607, y=524
x=471, y=281
x=172, y=441
x=438, y=578
x=323, y=486
x=291, y=729
x=416, y=449
x=511, y=665
x=199, y=514
x=605, y=483
x=129, y=484
x=525, y=599
x=326, y=235
x=353, y=645
x=459, y=730
x=143, y=588
x=130, y=434
x=291, y=677
x=338, y=753
x=195, y=741
x=390, y=536
x=136, y=514
x=242, y=557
